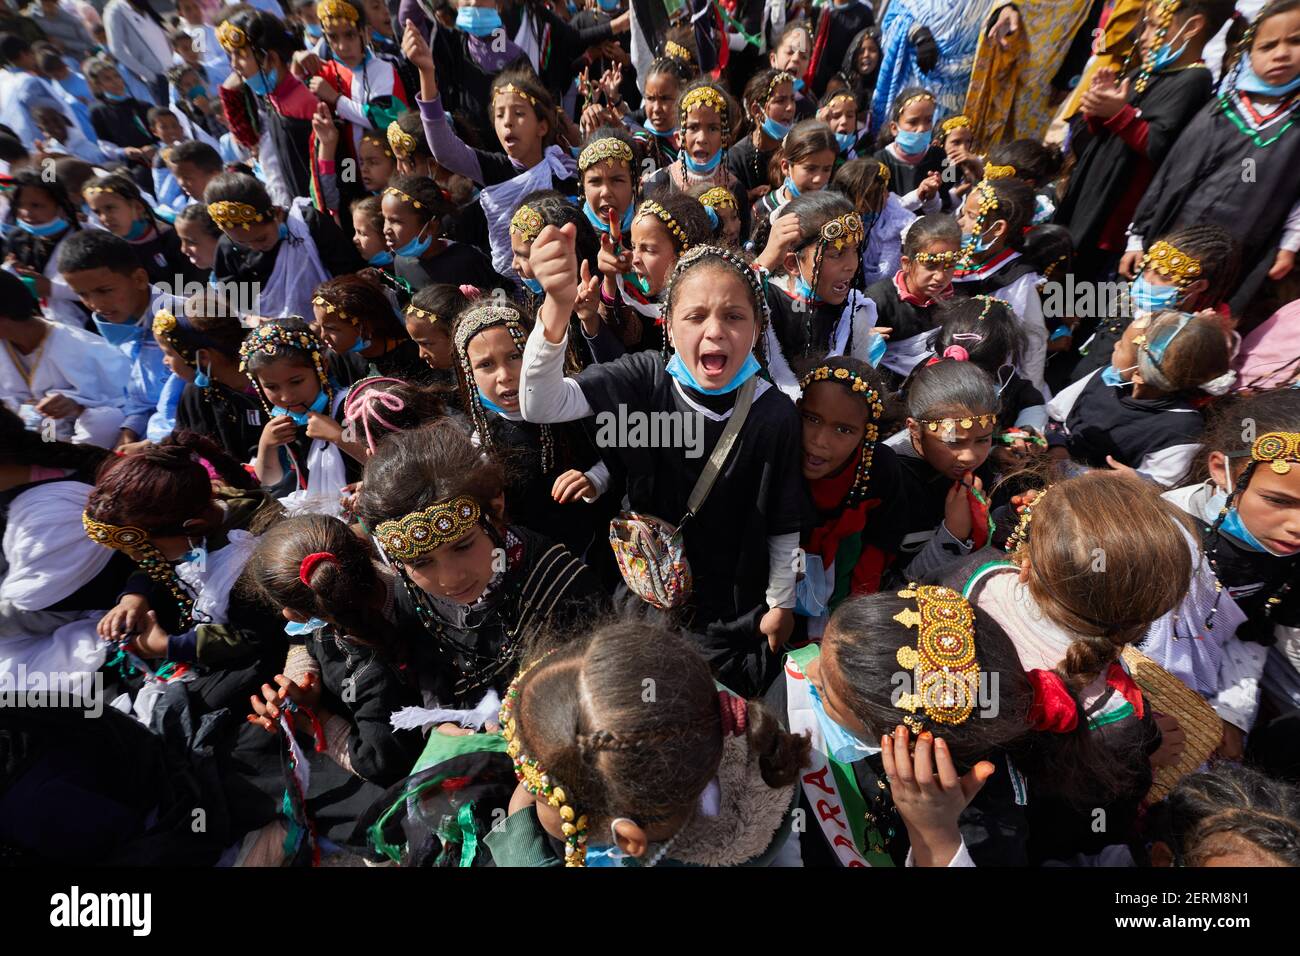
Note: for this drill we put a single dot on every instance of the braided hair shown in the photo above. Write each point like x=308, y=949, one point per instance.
x=1219, y=255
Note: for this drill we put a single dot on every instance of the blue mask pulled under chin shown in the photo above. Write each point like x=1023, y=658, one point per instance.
x=678, y=370
x=294, y=628
x=44, y=229
x=381, y=259
x=702, y=169
x=263, y=82
x=417, y=246
x=1248, y=81
x=600, y=225
x=314, y=30
x=138, y=229
x=791, y=188
x=360, y=345
x=493, y=406
x=798, y=84
x=301, y=418
x=1114, y=377
x=846, y=141
x=1235, y=528
x=774, y=129
x=840, y=744
x=120, y=333
x=533, y=286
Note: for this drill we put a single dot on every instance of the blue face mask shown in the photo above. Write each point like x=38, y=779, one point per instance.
x=478, y=21
x=1146, y=297
x=974, y=243
x=599, y=223
x=913, y=142
x=876, y=350
x=533, y=286
x=115, y=97
x=51, y=228
x=609, y=6
x=381, y=259
x=1114, y=377
x=798, y=84
x=846, y=141
x=661, y=134
x=774, y=129
x=1164, y=56
x=264, y=82
x=194, y=92
x=314, y=30
x=417, y=246
x=678, y=370
x=791, y=188
x=294, y=628
x=840, y=744
x=491, y=405
x=120, y=333
x=301, y=418
x=138, y=229
x=360, y=345
x=1233, y=526
x=702, y=169
x=1248, y=81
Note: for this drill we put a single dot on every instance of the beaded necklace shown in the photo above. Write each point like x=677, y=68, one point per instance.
x=1230, y=110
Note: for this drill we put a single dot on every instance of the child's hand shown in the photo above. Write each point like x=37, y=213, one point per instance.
x=572, y=486
x=1173, y=741
x=124, y=619
x=784, y=236
x=612, y=261
x=1128, y=265
x=1120, y=467
x=267, y=708
x=587, y=304
x=454, y=730
x=58, y=407
x=126, y=446
x=152, y=643
x=884, y=331
x=929, y=187
x=416, y=49
x=1232, y=746
x=322, y=90
x=322, y=124
x=1008, y=22
x=1105, y=98
x=555, y=264
x=305, y=63
x=1283, y=263
x=322, y=426
x=280, y=430
x=349, y=495
x=929, y=794
x=956, y=508
x=777, y=625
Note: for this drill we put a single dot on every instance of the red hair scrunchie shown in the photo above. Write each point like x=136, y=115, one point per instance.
x=309, y=565
x=1053, y=710
x=735, y=714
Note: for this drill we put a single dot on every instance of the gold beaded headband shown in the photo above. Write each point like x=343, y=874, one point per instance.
x=422, y=313
x=1169, y=261
x=990, y=301
x=332, y=309
x=511, y=88
x=538, y=782
x=336, y=11
x=474, y=321
x=846, y=377
x=954, y=122
x=652, y=208
x=269, y=338
x=945, y=672
x=526, y=223
x=415, y=535
x=703, y=96
x=842, y=95
x=993, y=171
x=915, y=98
x=719, y=197
x=1020, y=537
x=402, y=142
x=944, y=260
x=870, y=433
x=1279, y=449
x=782, y=77
x=228, y=214
x=741, y=267
x=379, y=139
x=165, y=327
x=948, y=426
x=109, y=188
x=135, y=544
x=676, y=51
x=843, y=229
x=606, y=148
x=405, y=197
x=231, y=37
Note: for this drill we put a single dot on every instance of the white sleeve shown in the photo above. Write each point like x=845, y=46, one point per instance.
x=960, y=858
x=1291, y=230
x=1058, y=409
x=1168, y=465
x=1133, y=242
x=1035, y=417
x=780, y=569
x=1023, y=296
x=545, y=395
x=347, y=108
x=98, y=371
x=913, y=203
x=598, y=475
x=1240, y=668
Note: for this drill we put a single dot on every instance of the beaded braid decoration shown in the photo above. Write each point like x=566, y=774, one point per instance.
x=1164, y=14
x=471, y=323
x=988, y=204
x=538, y=782
x=336, y=11
x=509, y=88
x=704, y=96
x=782, y=77
x=526, y=223
x=990, y=301
x=412, y=536
x=1169, y=261
x=605, y=148
x=332, y=309
x=943, y=260
x=675, y=51
x=1020, y=537
x=719, y=197
x=228, y=214
x=402, y=142
x=231, y=37
x=945, y=671
x=837, y=232
x=135, y=544
x=856, y=384
x=273, y=339
x=165, y=328
x=652, y=208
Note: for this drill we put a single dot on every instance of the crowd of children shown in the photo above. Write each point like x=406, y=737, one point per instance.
x=503, y=432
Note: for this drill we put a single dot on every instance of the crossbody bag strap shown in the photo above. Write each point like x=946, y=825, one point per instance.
x=730, y=433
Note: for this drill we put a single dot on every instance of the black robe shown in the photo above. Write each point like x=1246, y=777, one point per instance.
x=903, y=177
x=792, y=326
x=1106, y=420
x=233, y=419
x=457, y=264
x=749, y=166
x=337, y=255
x=1204, y=181
x=904, y=319
x=161, y=257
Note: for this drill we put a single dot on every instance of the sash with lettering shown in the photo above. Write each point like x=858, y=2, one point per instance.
x=829, y=785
